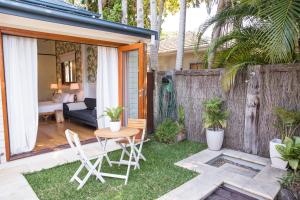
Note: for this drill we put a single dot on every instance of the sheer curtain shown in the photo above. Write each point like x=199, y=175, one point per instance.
x=107, y=82
x=20, y=60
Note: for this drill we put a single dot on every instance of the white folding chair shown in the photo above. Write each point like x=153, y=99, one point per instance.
x=74, y=142
x=139, y=140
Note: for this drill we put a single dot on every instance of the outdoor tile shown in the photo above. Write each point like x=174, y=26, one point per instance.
x=269, y=174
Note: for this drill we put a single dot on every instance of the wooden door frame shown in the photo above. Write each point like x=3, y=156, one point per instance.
x=37, y=35
x=141, y=47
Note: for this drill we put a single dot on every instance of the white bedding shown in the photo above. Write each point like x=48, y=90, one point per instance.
x=49, y=106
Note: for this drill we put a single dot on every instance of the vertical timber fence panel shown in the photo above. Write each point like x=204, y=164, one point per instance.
x=251, y=102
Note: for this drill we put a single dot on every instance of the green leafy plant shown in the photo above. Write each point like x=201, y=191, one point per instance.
x=181, y=117
x=213, y=116
x=287, y=122
x=167, y=131
x=290, y=152
x=291, y=181
x=253, y=32
x=114, y=113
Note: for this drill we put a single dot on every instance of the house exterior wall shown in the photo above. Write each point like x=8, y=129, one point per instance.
x=2, y=142
x=168, y=61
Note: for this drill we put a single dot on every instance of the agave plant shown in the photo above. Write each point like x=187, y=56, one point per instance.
x=114, y=113
x=262, y=32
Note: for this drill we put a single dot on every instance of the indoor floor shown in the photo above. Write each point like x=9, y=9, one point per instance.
x=51, y=136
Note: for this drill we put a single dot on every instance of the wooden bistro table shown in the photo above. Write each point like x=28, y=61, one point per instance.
x=104, y=134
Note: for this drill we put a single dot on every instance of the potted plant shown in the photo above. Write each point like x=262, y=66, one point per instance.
x=290, y=182
x=115, y=117
x=214, y=119
x=180, y=122
x=287, y=124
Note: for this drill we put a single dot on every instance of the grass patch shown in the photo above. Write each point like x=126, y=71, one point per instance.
x=157, y=176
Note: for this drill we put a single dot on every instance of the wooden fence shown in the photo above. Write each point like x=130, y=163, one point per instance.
x=251, y=102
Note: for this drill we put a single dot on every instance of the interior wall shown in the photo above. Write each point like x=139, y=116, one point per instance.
x=46, y=68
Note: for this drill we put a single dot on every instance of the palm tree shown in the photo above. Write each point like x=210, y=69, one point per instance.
x=263, y=32
x=215, y=34
x=124, y=12
x=100, y=8
x=154, y=26
x=181, y=36
x=140, y=13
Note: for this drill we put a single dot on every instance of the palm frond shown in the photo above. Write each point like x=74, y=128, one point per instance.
x=282, y=29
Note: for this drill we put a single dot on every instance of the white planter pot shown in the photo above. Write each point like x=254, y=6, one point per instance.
x=276, y=158
x=115, y=126
x=214, y=139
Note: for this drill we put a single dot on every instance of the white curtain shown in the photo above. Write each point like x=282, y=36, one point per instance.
x=20, y=60
x=107, y=82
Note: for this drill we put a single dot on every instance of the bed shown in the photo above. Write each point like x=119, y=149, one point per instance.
x=49, y=106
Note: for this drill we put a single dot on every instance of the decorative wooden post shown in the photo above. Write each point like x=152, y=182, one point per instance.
x=252, y=110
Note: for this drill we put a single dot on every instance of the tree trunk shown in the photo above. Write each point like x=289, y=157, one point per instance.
x=181, y=36
x=252, y=110
x=215, y=34
x=153, y=47
x=160, y=15
x=100, y=8
x=140, y=13
x=124, y=12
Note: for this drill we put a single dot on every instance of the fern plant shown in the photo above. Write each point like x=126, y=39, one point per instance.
x=181, y=117
x=214, y=117
x=287, y=122
x=114, y=113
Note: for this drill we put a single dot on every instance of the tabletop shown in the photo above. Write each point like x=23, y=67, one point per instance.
x=124, y=132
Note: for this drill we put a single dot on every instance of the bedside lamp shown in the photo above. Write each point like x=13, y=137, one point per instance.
x=74, y=87
x=54, y=86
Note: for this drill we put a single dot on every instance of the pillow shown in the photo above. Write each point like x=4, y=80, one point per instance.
x=57, y=98
x=65, y=97
x=77, y=106
x=71, y=98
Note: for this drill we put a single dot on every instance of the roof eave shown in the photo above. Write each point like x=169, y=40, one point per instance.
x=44, y=14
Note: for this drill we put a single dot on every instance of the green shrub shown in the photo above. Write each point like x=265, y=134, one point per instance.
x=214, y=117
x=167, y=131
x=291, y=152
x=287, y=122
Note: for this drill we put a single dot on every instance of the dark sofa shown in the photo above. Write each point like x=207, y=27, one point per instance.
x=87, y=116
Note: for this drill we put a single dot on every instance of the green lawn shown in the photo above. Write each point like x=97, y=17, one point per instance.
x=157, y=176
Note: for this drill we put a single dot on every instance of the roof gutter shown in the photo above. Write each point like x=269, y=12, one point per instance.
x=44, y=14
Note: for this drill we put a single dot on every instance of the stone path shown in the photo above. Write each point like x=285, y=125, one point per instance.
x=263, y=185
x=14, y=186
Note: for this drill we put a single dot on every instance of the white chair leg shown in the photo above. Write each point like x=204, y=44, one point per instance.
x=77, y=172
x=140, y=153
x=122, y=156
x=130, y=158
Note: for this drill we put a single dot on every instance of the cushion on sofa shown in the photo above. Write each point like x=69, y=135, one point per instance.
x=90, y=103
x=77, y=106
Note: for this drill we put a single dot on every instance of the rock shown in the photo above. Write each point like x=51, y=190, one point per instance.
x=286, y=194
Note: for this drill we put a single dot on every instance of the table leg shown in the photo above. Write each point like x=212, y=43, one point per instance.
x=104, y=149
x=131, y=142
